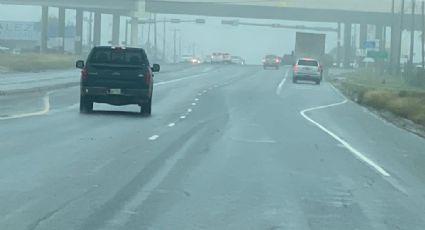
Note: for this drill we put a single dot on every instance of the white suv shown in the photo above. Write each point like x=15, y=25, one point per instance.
x=307, y=69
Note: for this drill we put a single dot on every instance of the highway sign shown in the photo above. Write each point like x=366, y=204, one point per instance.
x=369, y=45
x=377, y=54
x=20, y=31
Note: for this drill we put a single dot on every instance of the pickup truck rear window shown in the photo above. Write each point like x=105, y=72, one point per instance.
x=125, y=57
x=308, y=62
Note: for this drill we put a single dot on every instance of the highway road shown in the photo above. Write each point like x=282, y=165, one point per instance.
x=227, y=147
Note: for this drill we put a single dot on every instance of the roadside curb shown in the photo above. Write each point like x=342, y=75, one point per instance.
x=38, y=89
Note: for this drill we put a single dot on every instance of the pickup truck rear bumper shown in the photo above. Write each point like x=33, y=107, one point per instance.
x=116, y=96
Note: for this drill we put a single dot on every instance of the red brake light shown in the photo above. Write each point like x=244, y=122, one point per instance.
x=296, y=68
x=84, y=74
x=148, y=77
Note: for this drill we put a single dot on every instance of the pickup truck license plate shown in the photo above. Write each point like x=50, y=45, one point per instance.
x=115, y=91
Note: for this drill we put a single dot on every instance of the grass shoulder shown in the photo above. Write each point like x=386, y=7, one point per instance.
x=384, y=93
x=35, y=62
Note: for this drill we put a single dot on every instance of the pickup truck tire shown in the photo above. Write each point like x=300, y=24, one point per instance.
x=86, y=106
x=318, y=82
x=146, y=108
x=294, y=80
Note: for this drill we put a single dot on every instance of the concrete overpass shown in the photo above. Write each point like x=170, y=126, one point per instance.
x=363, y=12
x=130, y=8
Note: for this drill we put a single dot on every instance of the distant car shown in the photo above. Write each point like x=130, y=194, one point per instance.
x=186, y=58
x=217, y=58
x=116, y=76
x=271, y=61
x=307, y=69
x=227, y=58
x=237, y=60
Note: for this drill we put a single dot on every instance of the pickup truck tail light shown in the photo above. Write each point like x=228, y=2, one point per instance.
x=296, y=68
x=148, y=77
x=84, y=74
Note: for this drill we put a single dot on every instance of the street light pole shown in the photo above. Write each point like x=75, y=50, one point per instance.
x=180, y=46
x=155, y=37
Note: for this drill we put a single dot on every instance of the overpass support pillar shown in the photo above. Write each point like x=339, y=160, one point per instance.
x=134, y=40
x=363, y=34
x=347, y=45
x=79, y=32
x=97, y=28
x=44, y=28
x=338, y=47
x=61, y=19
x=116, y=29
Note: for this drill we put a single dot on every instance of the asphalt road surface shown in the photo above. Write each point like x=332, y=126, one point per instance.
x=226, y=148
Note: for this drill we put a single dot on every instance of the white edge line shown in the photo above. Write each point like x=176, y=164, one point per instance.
x=279, y=87
x=356, y=153
x=46, y=109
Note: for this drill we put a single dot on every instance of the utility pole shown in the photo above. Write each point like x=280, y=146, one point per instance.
x=338, y=51
x=423, y=35
x=164, y=42
x=412, y=34
x=398, y=64
x=175, y=47
x=393, y=44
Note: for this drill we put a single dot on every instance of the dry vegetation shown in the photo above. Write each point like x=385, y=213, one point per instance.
x=386, y=93
x=35, y=62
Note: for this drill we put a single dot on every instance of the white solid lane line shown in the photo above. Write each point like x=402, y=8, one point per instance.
x=45, y=110
x=353, y=150
x=282, y=83
x=154, y=137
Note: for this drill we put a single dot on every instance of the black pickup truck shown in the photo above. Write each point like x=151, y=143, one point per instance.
x=116, y=76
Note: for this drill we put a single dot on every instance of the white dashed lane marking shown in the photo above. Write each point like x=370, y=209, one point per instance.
x=348, y=146
x=171, y=124
x=154, y=137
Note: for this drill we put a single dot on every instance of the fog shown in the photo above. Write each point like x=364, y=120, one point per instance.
x=202, y=39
